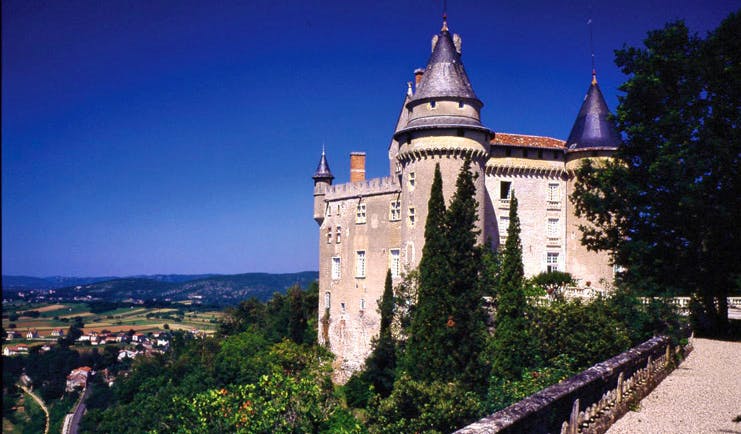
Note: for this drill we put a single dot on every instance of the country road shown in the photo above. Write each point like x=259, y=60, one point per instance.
x=41, y=404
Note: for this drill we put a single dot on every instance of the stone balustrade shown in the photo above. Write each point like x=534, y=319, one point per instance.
x=592, y=400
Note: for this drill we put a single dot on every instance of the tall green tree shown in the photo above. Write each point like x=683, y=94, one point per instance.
x=380, y=368
x=447, y=333
x=667, y=207
x=424, y=357
x=465, y=324
x=511, y=347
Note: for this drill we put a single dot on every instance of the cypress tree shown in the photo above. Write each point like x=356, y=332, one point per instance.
x=381, y=364
x=447, y=333
x=465, y=326
x=424, y=356
x=510, y=344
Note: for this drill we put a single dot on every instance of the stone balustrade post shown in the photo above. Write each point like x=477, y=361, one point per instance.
x=574, y=419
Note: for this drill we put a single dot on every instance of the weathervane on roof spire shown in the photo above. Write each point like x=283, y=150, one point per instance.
x=445, y=16
x=591, y=45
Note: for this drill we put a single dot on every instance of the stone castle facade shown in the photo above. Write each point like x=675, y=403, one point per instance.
x=369, y=226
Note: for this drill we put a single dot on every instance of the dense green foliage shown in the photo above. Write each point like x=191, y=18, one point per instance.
x=264, y=373
x=447, y=331
x=511, y=345
x=668, y=206
x=381, y=364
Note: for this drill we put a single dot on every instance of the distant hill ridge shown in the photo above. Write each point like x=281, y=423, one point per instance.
x=207, y=288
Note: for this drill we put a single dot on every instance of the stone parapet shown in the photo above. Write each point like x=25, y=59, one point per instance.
x=591, y=400
x=370, y=187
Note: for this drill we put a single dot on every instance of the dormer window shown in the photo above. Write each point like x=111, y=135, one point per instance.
x=460, y=104
x=433, y=105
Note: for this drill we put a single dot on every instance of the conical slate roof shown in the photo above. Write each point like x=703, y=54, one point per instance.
x=445, y=76
x=593, y=129
x=322, y=170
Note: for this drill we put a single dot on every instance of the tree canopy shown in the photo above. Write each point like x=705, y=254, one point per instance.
x=667, y=206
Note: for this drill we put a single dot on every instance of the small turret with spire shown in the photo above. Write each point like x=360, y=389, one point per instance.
x=322, y=179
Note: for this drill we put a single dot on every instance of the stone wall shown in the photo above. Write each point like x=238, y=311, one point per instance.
x=591, y=400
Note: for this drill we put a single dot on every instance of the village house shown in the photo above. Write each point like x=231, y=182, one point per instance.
x=77, y=379
x=15, y=350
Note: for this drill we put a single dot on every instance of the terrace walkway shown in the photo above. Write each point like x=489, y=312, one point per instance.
x=703, y=395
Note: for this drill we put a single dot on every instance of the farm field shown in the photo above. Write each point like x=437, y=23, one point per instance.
x=140, y=319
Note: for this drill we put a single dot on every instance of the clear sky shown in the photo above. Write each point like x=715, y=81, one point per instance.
x=143, y=137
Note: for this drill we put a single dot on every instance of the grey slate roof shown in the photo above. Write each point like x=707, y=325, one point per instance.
x=593, y=129
x=444, y=121
x=444, y=76
x=322, y=170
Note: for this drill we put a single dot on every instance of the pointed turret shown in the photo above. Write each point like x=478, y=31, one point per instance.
x=322, y=170
x=445, y=76
x=444, y=97
x=593, y=129
x=322, y=179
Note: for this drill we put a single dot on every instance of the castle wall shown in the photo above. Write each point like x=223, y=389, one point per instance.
x=540, y=188
x=352, y=292
x=586, y=266
x=419, y=158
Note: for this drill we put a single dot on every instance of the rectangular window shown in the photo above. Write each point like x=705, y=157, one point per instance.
x=360, y=263
x=329, y=235
x=412, y=179
x=395, y=262
x=554, y=193
x=360, y=213
x=336, y=273
x=505, y=190
x=362, y=304
x=551, y=262
x=326, y=300
x=342, y=307
x=328, y=211
x=339, y=234
x=503, y=225
x=412, y=216
x=395, y=210
x=552, y=228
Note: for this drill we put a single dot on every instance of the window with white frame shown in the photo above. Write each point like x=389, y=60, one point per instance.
x=362, y=304
x=328, y=210
x=329, y=235
x=412, y=216
x=395, y=262
x=327, y=298
x=395, y=210
x=412, y=179
x=360, y=263
x=336, y=269
x=360, y=213
x=551, y=261
x=551, y=229
x=339, y=234
x=503, y=225
x=505, y=190
x=554, y=192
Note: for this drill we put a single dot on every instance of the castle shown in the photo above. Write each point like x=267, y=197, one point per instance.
x=369, y=226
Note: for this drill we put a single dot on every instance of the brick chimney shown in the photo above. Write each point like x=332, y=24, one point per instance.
x=418, y=73
x=357, y=166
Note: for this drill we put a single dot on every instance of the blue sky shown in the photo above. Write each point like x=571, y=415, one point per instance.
x=143, y=137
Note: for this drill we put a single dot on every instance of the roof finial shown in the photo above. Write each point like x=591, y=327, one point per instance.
x=591, y=45
x=322, y=148
x=445, y=16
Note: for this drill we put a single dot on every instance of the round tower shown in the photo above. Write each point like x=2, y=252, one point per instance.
x=443, y=127
x=322, y=179
x=593, y=137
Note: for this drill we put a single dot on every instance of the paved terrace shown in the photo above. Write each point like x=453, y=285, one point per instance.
x=703, y=395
